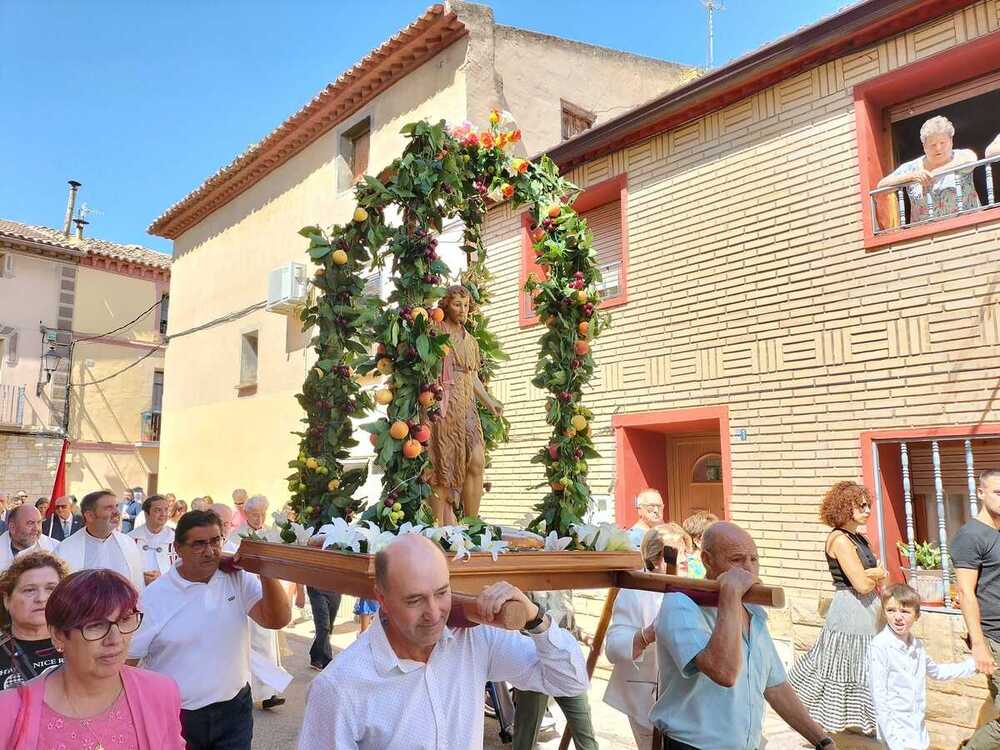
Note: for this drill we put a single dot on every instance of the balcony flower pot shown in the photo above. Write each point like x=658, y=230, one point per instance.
x=928, y=583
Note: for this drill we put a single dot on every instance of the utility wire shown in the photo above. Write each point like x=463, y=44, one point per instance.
x=108, y=333
x=150, y=353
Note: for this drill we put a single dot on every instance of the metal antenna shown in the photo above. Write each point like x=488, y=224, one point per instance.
x=86, y=211
x=711, y=6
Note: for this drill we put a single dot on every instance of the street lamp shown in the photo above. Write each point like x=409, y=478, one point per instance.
x=50, y=363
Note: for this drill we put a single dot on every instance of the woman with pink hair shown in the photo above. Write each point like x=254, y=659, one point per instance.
x=93, y=700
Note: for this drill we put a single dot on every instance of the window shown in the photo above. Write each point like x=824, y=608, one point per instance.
x=962, y=84
x=924, y=484
x=707, y=469
x=6, y=266
x=248, y=359
x=354, y=149
x=604, y=207
x=164, y=308
x=575, y=120
x=157, y=390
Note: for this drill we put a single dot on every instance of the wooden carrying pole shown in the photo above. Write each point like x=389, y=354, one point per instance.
x=704, y=592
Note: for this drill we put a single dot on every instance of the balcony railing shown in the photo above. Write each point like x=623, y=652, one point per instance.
x=151, y=427
x=897, y=212
x=12, y=403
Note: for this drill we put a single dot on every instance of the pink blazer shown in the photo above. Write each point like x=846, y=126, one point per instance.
x=152, y=698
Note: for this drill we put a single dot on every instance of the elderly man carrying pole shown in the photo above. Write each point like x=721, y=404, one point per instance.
x=411, y=681
x=718, y=664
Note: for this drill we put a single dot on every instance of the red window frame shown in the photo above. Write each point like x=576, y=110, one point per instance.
x=613, y=189
x=871, y=98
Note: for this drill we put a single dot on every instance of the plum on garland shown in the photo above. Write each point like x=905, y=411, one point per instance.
x=442, y=174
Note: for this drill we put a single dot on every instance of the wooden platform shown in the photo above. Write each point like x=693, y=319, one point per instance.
x=354, y=574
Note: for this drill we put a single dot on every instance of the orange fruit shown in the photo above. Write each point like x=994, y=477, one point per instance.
x=426, y=398
x=417, y=312
x=584, y=328
x=339, y=257
x=412, y=448
x=360, y=214
x=570, y=432
x=399, y=430
x=579, y=422
x=554, y=212
x=383, y=397
x=384, y=366
x=437, y=314
x=581, y=347
x=581, y=297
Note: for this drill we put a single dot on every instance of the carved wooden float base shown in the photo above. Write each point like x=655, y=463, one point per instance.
x=354, y=574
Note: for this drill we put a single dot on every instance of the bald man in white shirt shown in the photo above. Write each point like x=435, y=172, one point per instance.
x=412, y=682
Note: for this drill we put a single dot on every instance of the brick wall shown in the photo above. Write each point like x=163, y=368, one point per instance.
x=749, y=287
x=28, y=462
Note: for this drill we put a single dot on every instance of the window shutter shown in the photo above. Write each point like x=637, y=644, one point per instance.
x=605, y=224
x=12, y=349
x=7, y=266
x=360, y=157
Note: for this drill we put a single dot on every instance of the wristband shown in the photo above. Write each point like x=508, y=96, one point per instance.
x=534, y=624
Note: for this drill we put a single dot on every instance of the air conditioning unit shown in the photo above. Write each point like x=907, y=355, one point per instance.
x=287, y=288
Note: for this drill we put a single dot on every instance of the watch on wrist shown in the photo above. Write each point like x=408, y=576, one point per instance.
x=824, y=743
x=535, y=623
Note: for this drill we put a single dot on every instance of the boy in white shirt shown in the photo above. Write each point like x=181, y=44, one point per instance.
x=899, y=667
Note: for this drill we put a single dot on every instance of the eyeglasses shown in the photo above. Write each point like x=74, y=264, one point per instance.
x=203, y=544
x=61, y=507
x=95, y=631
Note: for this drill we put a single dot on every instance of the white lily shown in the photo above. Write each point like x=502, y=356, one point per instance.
x=280, y=518
x=341, y=535
x=410, y=528
x=491, y=545
x=587, y=533
x=506, y=118
x=302, y=534
x=374, y=536
x=459, y=544
x=556, y=543
x=271, y=534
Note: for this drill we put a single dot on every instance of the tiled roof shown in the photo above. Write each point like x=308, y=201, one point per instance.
x=88, y=245
x=431, y=33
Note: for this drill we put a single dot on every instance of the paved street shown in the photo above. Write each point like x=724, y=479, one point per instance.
x=278, y=728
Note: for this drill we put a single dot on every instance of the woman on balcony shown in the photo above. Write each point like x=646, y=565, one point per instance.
x=931, y=193
x=832, y=678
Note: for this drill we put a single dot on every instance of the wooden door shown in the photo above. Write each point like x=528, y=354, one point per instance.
x=694, y=476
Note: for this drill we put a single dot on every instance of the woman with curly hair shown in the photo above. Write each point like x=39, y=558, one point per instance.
x=832, y=678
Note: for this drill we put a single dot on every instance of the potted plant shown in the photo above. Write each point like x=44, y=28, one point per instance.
x=927, y=578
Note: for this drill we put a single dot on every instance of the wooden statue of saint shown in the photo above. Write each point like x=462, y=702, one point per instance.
x=456, y=447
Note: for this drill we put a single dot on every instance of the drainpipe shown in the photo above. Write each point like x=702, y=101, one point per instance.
x=70, y=205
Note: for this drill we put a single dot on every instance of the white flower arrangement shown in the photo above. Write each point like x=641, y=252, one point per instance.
x=605, y=537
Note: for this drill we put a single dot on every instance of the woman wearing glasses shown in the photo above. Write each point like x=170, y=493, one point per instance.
x=832, y=678
x=93, y=701
x=26, y=650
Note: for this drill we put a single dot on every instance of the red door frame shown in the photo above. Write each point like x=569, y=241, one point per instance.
x=641, y=455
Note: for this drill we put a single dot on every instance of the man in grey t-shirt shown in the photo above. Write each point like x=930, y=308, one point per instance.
x=975, y=552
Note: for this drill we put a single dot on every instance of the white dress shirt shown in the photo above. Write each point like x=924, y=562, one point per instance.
x=898, y=672
x=198, y=634
x=103, y=553
x=157, y=549
x=370, y=699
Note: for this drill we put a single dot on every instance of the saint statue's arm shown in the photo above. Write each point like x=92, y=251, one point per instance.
x=484, y=396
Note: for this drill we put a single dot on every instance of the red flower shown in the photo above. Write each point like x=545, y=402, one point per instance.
x=507, y=190
x=515, y=136
x=486, y=140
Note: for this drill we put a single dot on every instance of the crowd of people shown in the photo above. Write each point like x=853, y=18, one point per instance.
x=101, y=637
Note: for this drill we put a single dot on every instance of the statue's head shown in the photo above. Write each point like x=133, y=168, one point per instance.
x=456, y=303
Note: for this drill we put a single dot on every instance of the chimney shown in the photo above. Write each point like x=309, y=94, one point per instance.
x=80, y=224
x=70, y=206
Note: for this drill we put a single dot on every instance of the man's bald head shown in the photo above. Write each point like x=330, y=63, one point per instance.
x=408, y=552
x=225, y=514
x=724, y=546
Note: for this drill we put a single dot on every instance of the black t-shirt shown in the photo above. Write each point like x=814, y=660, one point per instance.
x=40, y=654
x=976, y=546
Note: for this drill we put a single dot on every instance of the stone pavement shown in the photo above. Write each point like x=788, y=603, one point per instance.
x=278, y=729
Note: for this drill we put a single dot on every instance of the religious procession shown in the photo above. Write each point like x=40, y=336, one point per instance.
x=606, y=401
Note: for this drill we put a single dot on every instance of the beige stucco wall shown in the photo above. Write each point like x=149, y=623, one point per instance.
x=105, y=423
x=214, y=439
x=749, y=287
x=29, y=298
x=605, y=82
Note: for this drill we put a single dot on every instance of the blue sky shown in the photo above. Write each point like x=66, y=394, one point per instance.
x=141, y=101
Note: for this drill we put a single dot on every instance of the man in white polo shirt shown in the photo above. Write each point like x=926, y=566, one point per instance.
x=194, y=598
x=99, y=544
x=155, y=539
